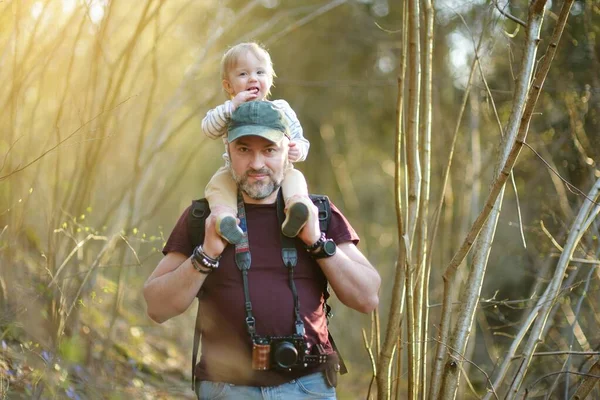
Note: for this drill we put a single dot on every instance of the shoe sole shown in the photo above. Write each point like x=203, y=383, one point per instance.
x=295, y=220
x=230, y=231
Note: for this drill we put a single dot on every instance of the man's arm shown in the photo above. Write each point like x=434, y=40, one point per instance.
x=174, y=284
x=172, y=287
x=351, y=276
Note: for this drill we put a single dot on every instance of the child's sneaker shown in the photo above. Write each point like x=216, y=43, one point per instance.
x=296, y=216
x=228, y=228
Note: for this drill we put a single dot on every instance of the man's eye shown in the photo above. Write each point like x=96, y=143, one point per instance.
x=242, y=74
x=260, y=72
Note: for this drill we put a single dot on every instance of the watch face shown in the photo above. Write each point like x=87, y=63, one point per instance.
x=329, y=247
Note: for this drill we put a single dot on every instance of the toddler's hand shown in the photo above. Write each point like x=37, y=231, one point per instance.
x=242, y=97
x=293, y=152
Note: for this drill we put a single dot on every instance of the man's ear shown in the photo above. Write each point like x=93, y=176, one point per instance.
x=227, y=86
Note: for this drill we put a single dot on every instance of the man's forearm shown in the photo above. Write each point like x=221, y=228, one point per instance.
x=353, y=279
x=172, y=292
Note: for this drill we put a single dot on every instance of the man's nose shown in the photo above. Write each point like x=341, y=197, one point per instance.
x=257, y=161
x=253, y=77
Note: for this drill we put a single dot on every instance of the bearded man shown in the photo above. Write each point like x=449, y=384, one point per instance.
x=264, y=326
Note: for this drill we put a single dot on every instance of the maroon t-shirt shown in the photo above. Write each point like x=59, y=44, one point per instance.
x=226, y=346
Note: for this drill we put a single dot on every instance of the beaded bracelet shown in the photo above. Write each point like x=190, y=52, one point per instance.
x=200, y=259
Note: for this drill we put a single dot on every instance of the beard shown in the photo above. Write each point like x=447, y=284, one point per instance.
x=258, y=190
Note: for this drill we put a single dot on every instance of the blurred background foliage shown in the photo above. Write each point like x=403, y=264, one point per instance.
x=101, y=149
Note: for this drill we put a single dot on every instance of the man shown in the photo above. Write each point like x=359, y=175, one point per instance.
x=246, y=308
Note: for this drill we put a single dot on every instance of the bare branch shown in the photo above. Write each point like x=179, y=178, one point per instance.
x=588, y=383
x=596, y=377
x=57, y=145
x=574, y=189
x=509, y=15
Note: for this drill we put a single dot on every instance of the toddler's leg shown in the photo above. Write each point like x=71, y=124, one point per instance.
x=221, y=193
x=295, y=193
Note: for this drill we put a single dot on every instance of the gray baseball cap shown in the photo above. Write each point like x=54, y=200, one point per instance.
x=257, y=118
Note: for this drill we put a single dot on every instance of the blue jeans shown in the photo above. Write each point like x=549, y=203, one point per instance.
x=313, y=386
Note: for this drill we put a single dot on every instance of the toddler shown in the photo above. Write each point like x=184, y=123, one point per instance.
x=247, y=75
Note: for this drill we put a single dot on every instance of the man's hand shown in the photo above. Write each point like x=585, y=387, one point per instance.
x=311, y=232
x=213, y=244
x=242, y=97
x=293, y=152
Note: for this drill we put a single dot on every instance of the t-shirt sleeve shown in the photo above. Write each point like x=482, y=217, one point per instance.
x=339, y=228
x=179, y=240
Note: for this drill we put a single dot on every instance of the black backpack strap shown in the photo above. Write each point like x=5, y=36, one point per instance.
x=324, y=206
x=199, y=211
x=322, y=203
x=197, y=334
x=196, y=227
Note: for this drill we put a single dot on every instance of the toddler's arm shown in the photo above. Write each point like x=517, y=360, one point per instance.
x=296, y=133
x=214, y=125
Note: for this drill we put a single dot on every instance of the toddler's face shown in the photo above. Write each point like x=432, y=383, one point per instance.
x=249, y=74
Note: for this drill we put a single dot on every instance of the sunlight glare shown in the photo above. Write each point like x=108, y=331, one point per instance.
x=385, y=64
x=270, y=3
x=68, y=6
x=96, y=13
x=36, y=9
x=460, y=51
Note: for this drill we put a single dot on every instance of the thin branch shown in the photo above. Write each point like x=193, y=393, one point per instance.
x=509, y=15
x=464, y=359
x=579, y=260
x=370, y=352
x=303, y=21
x=560, y=353
x=514, y=184
x=572, y=188
x=554, y=242
x=588, y=383
x=63, y=140
x=557, y=373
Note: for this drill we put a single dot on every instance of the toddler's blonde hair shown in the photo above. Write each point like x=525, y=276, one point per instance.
x=232, y=56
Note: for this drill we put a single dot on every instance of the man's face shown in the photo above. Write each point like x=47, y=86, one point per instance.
x=257, y=166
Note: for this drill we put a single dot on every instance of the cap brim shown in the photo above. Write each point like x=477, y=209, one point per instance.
x=272, y=135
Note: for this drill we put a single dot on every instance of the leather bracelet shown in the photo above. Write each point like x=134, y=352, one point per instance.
x=199, y=268
x=201, y=251
x=202, y=262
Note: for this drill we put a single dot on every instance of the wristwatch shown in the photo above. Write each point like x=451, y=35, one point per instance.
x=322, y=248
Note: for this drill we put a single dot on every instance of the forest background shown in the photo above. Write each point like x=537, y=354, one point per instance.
x=101, y=150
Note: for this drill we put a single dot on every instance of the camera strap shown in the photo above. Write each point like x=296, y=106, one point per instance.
x=289, y=255
x=243, y=260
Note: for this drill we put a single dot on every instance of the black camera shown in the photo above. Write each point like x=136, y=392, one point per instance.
x=280, y=352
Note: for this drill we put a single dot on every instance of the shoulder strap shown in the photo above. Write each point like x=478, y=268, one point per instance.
x=196, y=227
x=196, y=219
x=324, y=206
x=322, y=203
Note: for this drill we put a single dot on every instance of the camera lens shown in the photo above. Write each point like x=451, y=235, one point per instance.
x=285, y=355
